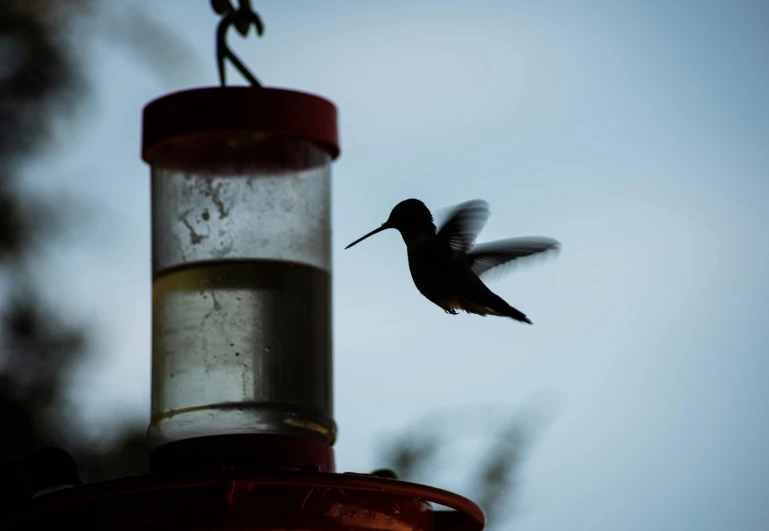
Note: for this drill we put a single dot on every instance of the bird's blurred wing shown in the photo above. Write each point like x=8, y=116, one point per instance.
x=463, y=224
x=490, y=256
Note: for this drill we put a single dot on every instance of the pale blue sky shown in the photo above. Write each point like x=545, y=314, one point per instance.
x=636, y=133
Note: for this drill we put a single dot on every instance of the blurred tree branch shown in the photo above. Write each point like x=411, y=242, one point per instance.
x=43, y=79
x=413, y=454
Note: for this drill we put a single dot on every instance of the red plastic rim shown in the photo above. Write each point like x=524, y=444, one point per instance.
x=237, y=110
x=466, y=515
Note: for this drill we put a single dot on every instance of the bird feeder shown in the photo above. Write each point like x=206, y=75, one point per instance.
x=241, y=265
x=242, y=428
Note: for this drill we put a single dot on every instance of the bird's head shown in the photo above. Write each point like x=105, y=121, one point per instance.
x=408, y=214
x=408, y=217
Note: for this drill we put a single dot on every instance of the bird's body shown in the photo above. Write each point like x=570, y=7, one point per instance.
x=445, y=266
x=443, y=279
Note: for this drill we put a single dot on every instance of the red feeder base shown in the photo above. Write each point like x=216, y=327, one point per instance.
x=224, y=500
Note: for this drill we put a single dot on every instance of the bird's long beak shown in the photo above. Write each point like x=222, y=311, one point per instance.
x=380, y=229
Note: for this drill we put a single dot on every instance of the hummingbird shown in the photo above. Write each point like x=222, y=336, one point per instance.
x=445, y=264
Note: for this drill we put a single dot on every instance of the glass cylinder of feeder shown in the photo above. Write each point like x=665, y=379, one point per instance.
x=241, y=263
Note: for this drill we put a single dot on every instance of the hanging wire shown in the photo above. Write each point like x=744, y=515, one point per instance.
x=242, y=18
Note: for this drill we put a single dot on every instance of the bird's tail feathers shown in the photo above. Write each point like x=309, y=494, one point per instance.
x=499, y=308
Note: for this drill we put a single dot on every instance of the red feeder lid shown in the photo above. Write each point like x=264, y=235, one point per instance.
x=239, y=110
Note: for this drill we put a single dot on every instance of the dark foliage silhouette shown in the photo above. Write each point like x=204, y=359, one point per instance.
x=43, y=81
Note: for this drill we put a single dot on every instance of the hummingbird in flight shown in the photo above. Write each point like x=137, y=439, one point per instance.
x=445, y=264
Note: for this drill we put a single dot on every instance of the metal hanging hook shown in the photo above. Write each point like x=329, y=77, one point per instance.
x=242, y=18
